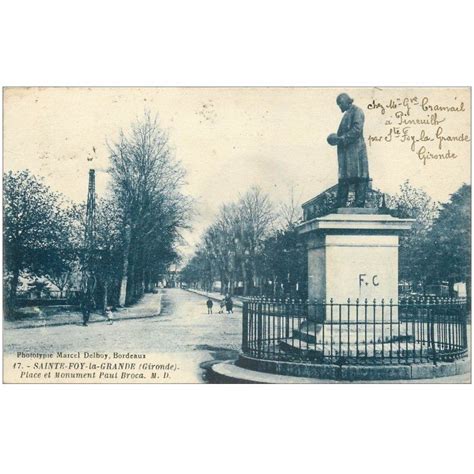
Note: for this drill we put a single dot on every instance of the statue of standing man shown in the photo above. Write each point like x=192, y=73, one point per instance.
x=351, y=152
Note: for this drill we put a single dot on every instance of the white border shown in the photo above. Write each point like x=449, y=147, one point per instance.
x=236, y=428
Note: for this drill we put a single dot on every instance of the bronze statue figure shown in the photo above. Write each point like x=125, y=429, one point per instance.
x=351, y=152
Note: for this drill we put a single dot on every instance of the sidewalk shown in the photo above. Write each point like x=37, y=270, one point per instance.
x=216, y=296
x=36, y=317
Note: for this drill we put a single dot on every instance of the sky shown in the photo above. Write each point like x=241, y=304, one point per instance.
x=229, y=139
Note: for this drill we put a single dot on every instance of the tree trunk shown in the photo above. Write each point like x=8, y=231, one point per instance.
x=13, y=288
x=106, y=295
x=222, y=279
x=124, y=282
x=132, y=277
x=142, y=283
x=130, y=281
x=253, y=265
x=244, y=278
x=148, y=285
x=14, y=284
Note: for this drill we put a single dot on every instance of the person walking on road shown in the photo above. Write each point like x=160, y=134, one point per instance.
x=229, y=305
x=210, y=304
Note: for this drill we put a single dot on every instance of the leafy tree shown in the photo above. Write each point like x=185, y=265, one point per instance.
x=449, y=241
x=35, y=227
x=198, y=271
x=64, y=257
x=285, y=264
x=414, y=203
x=61, y=265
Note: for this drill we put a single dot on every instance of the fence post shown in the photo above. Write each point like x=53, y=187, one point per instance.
x=287, y=319
x=259, y=328
x=245, y=326
x=432, y=334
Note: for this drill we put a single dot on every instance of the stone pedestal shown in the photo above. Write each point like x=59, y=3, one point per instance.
x=353, y=254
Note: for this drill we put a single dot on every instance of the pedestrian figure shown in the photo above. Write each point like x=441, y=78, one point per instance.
x=209, y=306
x=222, y=306
x=109, y=315
x=229, y=305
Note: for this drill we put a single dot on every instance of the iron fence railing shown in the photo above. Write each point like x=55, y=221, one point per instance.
x=356, y=332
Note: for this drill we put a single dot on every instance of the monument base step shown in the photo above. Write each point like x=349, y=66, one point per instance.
x=380, y=334
x=383, y=350
x=260, y=370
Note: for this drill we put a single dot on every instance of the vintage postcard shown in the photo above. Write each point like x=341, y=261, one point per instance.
x=236, y=235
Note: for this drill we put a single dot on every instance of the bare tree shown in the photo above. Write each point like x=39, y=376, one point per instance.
x=146, y=182
x=290, y=211
x=256, y=219
x=233, y=246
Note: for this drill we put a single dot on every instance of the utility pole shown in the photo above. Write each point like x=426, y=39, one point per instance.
x=88, y=277
x=89, y=237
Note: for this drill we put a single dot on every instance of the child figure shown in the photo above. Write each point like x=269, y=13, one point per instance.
x=109, y=315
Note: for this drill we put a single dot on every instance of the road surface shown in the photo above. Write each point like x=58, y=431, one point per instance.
x=183, y=332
